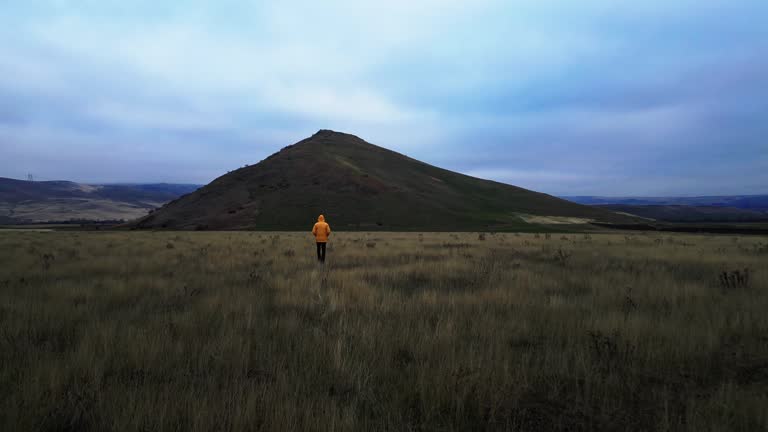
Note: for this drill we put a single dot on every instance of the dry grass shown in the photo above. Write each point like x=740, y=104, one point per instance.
x=244, y=331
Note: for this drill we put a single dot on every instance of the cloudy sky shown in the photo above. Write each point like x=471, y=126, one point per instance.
x=599, y=97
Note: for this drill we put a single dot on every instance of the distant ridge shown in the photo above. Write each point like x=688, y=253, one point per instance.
x=361, y=186
x=24, y=201
x=690, y=213
x=752, y=202
x=727, y=208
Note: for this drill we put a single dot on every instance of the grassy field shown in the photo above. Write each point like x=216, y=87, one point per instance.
x=398, y=331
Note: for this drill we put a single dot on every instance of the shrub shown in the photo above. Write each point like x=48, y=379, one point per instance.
x=734, y=279
x=47, y=259
x=629, y=303
x=562, y=256
x=610, y=352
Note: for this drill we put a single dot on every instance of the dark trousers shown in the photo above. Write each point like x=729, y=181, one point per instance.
x=321, y=251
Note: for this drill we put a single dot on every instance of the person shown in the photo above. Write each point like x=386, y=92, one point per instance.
x=321, y=231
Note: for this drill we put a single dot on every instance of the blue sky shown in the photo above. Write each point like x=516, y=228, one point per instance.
x=566, y=97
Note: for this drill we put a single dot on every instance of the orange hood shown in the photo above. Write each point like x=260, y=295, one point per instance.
x=321, y=218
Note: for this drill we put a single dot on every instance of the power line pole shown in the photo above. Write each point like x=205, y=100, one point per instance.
x=30, y=177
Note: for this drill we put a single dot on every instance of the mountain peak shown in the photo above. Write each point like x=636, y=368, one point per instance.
x=326, y=133
x=332, y=134
x=334, y=139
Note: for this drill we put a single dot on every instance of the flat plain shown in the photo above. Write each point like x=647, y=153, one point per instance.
x=397, y=331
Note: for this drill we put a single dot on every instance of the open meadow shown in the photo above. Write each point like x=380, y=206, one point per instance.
x=199, y=331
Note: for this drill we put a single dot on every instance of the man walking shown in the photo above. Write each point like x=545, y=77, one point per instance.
x=321, y=231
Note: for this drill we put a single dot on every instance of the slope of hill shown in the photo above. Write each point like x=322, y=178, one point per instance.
x=26, y=202
x=358, y=185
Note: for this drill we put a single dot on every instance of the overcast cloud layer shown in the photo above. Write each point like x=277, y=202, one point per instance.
x=566, y=97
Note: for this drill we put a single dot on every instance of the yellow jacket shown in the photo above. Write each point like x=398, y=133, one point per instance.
x=321, y=230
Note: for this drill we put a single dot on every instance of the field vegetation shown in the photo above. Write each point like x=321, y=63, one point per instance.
x=207, y=331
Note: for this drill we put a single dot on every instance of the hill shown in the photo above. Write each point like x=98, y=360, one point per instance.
x=690, y=213
x=47, y=201
x=358, y=185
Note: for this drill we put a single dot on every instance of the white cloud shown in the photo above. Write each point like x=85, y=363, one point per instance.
x=30, y=73
x=141, y=117
x=446, y=81
x=516, y=175
x=360, y=105
x=295, y=79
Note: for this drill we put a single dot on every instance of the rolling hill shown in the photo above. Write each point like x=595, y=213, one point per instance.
x=360, y=186
x=725, y=209
x=60, y=201
x=750, y=202
x=690, y=213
